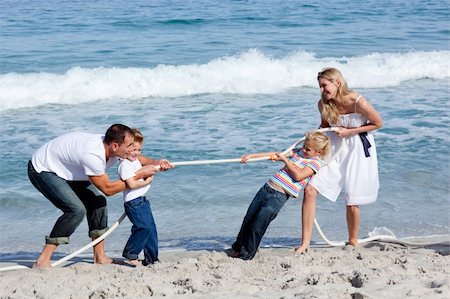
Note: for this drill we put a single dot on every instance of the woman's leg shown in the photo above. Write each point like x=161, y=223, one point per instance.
x=353, y=220
x=308, y=214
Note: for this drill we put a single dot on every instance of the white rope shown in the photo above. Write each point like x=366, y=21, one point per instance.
x=238, y=160
x=79, y=251
x=201, y=162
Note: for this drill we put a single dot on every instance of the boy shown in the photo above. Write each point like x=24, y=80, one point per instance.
x=137, y=207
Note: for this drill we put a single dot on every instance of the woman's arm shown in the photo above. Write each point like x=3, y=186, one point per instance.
x=365, y=108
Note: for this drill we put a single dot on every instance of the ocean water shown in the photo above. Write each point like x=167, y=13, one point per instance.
x=215, y=80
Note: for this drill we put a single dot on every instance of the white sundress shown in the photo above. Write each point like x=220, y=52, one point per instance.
x=351, y=171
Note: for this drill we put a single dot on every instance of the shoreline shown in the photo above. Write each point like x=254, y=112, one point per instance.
x=372, y=270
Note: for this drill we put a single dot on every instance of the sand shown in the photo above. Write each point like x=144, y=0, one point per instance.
x=375, y=270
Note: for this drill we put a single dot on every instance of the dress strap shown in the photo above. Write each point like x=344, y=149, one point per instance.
x=356, y=101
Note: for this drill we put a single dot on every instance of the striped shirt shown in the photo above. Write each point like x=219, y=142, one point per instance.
x=285, y=181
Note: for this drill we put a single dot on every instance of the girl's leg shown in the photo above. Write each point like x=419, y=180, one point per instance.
x=252, y=210
x=308, y=214
x=272, y=202
x=353, y=220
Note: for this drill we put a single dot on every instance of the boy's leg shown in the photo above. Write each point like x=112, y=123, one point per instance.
x=151, y=246
x=138, y=214
x=353, y=220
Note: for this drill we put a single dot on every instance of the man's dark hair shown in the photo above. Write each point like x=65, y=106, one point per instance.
x=116, y=133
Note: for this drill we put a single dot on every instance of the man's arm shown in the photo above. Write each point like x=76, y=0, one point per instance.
x=109, y=188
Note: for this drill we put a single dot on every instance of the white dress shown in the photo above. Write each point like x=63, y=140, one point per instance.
x=351, y=171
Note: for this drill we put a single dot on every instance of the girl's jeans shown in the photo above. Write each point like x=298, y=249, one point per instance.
x=75, y=199
x=263, y=209
x=143, y=232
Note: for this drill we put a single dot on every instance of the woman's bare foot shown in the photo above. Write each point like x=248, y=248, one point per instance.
x=303, y=249
x=354, y=243
x=46, y=265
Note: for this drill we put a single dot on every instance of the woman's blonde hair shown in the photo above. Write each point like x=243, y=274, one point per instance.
x=331, y=106
x=320, y=142
x=138, y=137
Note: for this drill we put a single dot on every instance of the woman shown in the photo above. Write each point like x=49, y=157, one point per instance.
x=355, y=170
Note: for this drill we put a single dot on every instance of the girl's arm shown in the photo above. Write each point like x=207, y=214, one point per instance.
x=245, y=158
x=132, y=183
x=296, y=172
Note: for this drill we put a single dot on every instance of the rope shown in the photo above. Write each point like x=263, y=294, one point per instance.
x=79, y=251
x=382, y=238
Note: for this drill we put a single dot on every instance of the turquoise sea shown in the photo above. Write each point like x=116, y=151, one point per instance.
x=215, y=80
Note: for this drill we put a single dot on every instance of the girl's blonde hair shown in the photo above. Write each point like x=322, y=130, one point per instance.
x=138, y=137
x=331, y=106
x=320, y=142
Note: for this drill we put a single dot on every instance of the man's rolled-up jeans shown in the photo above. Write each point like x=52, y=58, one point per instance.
x=75, y=199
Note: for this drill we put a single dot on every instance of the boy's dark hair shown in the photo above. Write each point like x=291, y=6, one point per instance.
x=116, y=133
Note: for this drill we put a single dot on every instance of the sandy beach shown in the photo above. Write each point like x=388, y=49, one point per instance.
x=375, y=270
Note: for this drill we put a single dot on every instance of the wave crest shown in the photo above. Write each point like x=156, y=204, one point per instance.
x=250, y=72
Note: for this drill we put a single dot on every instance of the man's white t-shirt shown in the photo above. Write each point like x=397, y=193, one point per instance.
x=73, y=156
x=127, y=169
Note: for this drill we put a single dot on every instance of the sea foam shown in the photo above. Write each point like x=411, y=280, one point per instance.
x=250, y=72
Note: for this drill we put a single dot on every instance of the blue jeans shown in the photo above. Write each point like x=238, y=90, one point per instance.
x=143, y=232
x=75, y=200
x=263, y=209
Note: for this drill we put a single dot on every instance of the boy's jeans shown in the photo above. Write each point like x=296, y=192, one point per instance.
x=75, y=200
x=263, y=209
x=143, y=232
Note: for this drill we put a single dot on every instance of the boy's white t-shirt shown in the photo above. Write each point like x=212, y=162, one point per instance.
x=127, y=169
x=73, y=156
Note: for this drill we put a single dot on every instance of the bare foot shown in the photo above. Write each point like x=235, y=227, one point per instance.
x=103, y=260
x=303, y=249
x=354, y=243
x=45, y=265
x=134, y=262
x=234, y=254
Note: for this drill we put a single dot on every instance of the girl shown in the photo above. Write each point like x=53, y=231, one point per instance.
x=355, y=169
x=288, y=181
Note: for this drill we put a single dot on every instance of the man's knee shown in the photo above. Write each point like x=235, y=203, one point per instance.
x=78, y=213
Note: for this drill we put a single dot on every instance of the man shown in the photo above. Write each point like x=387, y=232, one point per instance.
x=64, y=170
